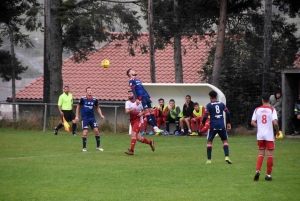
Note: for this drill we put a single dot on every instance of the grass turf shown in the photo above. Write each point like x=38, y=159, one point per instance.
x=41, y=166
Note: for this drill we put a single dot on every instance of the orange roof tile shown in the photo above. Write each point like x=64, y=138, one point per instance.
x=112, y=83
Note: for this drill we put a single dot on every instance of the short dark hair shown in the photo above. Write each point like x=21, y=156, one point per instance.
x=265, y=97
x=128, y=71
x=188, y=96
x=196, y=104
x=87, y=89
x=171, y=100
x=66, y=86
x=161, y=99
x=213, y=94
x=129, y=91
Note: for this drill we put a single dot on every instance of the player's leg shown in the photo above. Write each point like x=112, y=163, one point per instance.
x=270, y=149
x=176, y=120
x=187, y=121
x=59, y=126
x=260, y=158
x=224, y=137
x=210, y=138
x=193, y=124
x=144, y=126
x=74, y=124
x=181, y=123
x=94, y=126
x=135, y=129
x=206, y=127
x=159, y=121
x=85, y=127
x=145, y=140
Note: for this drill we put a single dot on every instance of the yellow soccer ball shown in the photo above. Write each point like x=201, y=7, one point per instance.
x=105, y=63
x=279, y=136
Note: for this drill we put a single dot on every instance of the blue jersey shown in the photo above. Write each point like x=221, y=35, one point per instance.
x=215, y=109
x=87, y=107
x=138, y=89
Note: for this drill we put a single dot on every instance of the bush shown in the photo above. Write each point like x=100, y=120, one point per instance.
x=106, y=126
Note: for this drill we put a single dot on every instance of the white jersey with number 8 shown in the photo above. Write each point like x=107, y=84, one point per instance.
x=264, y=117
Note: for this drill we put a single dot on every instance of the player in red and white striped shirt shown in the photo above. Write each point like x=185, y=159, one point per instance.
x=263, y=118
x=136, y=119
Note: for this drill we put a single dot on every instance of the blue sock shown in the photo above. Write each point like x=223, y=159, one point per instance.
x=84, y=142
x=226, y=149
x=153, y=119
x=98, y=140
x=209, y=150
x=150, y=121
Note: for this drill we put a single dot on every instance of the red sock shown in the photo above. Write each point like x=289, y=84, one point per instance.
x=133, y=142
x=259, y=162
x=145, y=140
x=269, y=164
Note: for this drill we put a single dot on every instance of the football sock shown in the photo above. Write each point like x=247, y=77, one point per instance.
x=269, y=164
x=84, y=141
x=133, y=142
x=145, y=140
x=59, y=126
x=259, y=162
x=74, y=128
x=149, y=119
x=208, y=150
x=226, y=149
x=98, y=140
x=153, y=119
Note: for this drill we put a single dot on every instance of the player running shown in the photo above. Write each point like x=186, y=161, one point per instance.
x=87, y=104
x=141, y=95
x=215, y=109
x=136, y=119
x=263, y=118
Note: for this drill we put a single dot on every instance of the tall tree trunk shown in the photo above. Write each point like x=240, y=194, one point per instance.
x=177, y=47
x=220, y=44
x=13, y=74
x=55, y=64
x=151, y=41
x=266, y=88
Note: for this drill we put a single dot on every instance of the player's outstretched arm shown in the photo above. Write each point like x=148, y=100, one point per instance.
x=77, y=112
x=100, y=112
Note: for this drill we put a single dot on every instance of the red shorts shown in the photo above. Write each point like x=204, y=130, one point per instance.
x=263, y=144
x=136, y=125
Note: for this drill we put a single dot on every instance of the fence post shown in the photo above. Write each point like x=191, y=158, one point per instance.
x=115, y=128
x=45, y=116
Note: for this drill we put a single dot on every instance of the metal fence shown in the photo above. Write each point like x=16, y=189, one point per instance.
x=45, y=108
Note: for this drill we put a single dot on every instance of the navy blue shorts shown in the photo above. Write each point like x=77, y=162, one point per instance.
x=212, y=133
x=89, y=122
x=146, y=102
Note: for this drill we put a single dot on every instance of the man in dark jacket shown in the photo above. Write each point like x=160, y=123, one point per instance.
x=187, y=114
x=296, y=118
x=276, y=103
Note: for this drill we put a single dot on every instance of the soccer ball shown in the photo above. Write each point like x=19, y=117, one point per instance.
x=280, y=136
x=105, y=63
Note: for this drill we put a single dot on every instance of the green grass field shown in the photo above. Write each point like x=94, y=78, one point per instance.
x=41, y=166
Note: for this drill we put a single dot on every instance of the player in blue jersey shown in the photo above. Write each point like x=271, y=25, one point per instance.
x=215, y=110
x=141, y=95
x=87, y=104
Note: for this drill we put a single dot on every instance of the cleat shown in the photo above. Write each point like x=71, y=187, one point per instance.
x=143, y=133
x=74, y=134
x=256, y=176
x=55, y=131
x=84, y=150
x=158, y=130
x=200, y=133
x=166, y=133
x=208, y=162
x=217, y=135
x=152, y=145
x=157, y=133
x=151, y=133
x=129, y=152
x=182, y=133
x=176, y=133
x=268, y=178
x=193, y=134
x=100, y=149
x=228, y=160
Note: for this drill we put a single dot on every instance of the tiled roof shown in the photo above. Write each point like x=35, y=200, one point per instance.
x=112, y=83
x=297, y=61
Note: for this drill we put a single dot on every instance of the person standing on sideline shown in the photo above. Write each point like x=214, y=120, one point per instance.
x=263, y=118
x=215, y=110
x=276, y=103
x=135, y=110
x=87, y=104
x=141, y=95
x=65, y=107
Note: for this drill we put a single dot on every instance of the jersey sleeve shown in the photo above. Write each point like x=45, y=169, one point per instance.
x=81, y=102
x=254, y=118
x=59, y=101
x=127, y=105
x=274, y=115
x=96, y=104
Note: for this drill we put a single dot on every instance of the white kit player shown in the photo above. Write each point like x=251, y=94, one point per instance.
x=264, y=117
x=135, y=110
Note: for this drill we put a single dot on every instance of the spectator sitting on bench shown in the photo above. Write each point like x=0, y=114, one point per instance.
x=161, y=114
x=173, y=116
x=187, y=114
x=296, y=118
x=198, y=114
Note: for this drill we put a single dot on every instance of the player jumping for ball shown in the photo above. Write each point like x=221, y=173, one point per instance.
x=263, y=118
x=136, y=118
x=87, y=104
x=141, y=95
x=215, y=109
